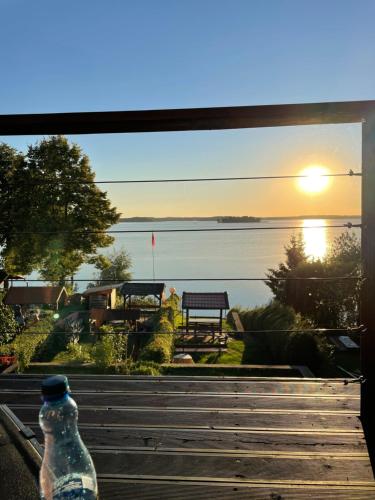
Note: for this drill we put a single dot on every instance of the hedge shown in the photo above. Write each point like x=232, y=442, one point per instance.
x=295, y=346
x=8, y=325
x=159, y=347
x=26, y=345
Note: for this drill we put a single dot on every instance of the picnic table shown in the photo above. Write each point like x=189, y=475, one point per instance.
x=211, y=325
x=201, y=341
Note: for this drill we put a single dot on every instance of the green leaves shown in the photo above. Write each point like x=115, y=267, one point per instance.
x=8, y=325
x=113, y=267
x=49, y=190
x=331, y=303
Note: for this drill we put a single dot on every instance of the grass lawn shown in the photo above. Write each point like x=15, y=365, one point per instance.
x=233, y=356
x=80, y=353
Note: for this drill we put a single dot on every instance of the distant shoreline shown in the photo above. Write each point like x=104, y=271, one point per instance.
x=235, y=218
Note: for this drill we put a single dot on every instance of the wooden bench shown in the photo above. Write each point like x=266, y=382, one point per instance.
x=215, y=342
x=188, y=348
x=211, y=336
x=101, y=316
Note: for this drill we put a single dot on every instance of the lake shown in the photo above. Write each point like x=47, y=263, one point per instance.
x=221, y=254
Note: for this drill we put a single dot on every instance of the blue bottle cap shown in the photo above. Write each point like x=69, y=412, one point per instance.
x=55, y=386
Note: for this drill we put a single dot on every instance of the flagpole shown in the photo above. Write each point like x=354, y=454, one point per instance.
x=153, y=255
x=153, y=264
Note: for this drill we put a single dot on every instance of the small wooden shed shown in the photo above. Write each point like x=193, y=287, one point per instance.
x=55, y=296
x=102, y=297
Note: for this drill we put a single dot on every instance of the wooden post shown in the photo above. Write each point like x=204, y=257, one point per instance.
x=368, y=287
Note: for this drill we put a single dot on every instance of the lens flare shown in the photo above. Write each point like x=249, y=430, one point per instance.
x=314, y=180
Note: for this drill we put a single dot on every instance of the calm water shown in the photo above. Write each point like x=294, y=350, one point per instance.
x=232, y=254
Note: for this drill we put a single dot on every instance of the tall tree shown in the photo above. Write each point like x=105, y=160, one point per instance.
x=332, y=303
x=113, y=268
x=53, y=215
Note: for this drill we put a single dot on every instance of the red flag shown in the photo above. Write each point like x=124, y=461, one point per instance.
x=153, y=240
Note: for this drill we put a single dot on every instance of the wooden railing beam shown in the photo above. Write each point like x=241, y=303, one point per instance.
x=167, y=120
x=368, y=287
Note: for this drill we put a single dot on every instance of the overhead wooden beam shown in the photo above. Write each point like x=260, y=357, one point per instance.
x=168, y=120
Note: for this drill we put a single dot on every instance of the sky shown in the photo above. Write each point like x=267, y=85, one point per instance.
x=123, y=55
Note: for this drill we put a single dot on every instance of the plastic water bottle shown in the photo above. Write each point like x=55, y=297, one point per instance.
x=67, y=469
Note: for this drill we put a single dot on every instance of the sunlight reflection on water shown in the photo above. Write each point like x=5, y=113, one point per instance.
x=315, y=238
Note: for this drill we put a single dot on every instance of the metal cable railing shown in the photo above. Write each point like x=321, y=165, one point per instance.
x=350, y=173
x=322, y=331
x=147, y=280
x=347, y=225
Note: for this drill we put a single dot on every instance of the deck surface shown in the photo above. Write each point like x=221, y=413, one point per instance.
x=211, y=437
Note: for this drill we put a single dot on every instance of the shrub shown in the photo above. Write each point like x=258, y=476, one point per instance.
x=111, y=349
x=145, y=368
x=159, y=347
x=8, y=325
x=104, y=353
x=77, y=353
x=27, y=345
x=307, y=348
x=274, y=316
x=63, y=333
x=290, y=347
x=265, y=348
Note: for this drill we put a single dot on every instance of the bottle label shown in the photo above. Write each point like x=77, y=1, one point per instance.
x=74, y=486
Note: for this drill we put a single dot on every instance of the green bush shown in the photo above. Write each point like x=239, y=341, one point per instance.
x=104, y=353
x=297, y=346
x=26, y=348
x=111, y=349
x=307, y=348
x=75, y=353
x=274, y=316
x=62, y=334
x=145, y=368
x=8, y=325
x=159, y=347
x=27, y=345
x=267, y=347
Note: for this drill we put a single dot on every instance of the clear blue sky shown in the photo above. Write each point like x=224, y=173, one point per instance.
x=116, y=55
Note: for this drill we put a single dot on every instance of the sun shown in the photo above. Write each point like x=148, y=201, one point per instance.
x=314, y=180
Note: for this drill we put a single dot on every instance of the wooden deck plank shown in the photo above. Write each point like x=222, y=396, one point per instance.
x=231, y=442
x=307, y=422
x=149, y=490
x=196, y=401
x=154, y=463
x=214, y=437
x=243, y=386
